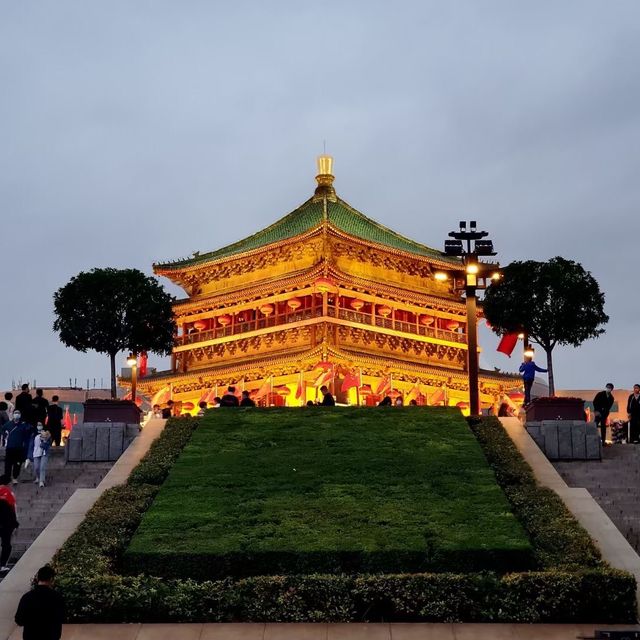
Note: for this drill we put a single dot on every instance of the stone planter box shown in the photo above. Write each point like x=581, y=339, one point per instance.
x=556, y=409
x=99, y=441
x=112, y=411
x=567, y=439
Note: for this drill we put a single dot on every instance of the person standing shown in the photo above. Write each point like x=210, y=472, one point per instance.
x=230, y=399
x=41, y=445
x=8, y=521
x=246, y=400
x=528, y=370
x=40, y=406
x=602, y=404
x=633, y=414
x=327, y=398
x=54, y=421
x=18, y=434
x=41, y=610
x=4, y=419
x=24, y=403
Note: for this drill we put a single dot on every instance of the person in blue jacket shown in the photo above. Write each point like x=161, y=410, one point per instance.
x=18, y=434
x=528, y=370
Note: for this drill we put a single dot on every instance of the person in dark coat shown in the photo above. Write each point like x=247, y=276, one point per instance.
x=18, y=434
x=230, y=399
x=54, y=421
x=246, y=400
x=633, y=414
x=327, y=398
x=602, y=404
x=41, y=610
x=528, y=370
x=8, y=521
x=24, y=403
x=40, y=405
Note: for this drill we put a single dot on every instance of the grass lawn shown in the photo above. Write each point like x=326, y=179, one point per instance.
x=265, y=491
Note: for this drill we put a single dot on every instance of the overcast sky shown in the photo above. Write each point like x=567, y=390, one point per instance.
x=134, y=132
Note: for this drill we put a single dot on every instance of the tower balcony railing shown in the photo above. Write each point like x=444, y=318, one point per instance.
x=341, y=313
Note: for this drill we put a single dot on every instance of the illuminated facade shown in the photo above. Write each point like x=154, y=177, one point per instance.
x=322, y=294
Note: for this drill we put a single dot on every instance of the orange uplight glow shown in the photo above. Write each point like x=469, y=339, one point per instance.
x=441, y=276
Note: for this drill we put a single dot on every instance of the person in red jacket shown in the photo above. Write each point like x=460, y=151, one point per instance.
x=8, y=521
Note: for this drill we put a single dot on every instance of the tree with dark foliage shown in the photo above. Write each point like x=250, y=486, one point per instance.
x=554, y=302
x=114, y=310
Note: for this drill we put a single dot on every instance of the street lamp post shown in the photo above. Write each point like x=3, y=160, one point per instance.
x=476, y=275
x=132, y=361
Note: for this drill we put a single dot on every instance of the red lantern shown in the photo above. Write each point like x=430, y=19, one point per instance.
x=282, y=390
x=357, y=304
x=462, y=405
x=452, y=325
x=366, y=390
x=199, y=325
x=224, y=320
x=384, y=310
x=266, y=309
x=324, y=284
x=188, y=406
x=427, y=320
x=294, y=303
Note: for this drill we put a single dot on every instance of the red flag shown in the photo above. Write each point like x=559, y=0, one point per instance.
x=75, y=418
x=66, y=421
x=351, y=380
x=508, y=343
x=300, y=389
x=323, y=378
x=263, y=390
x=383, y=386
x=142, y=365
x=414, y=393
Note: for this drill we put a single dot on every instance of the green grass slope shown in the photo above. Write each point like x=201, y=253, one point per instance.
x=287, y=491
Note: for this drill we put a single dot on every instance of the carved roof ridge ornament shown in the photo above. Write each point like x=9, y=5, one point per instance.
x=325, y=190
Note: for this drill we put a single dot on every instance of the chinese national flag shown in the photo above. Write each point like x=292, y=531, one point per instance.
x=383, y=386
x=300, y=389
x=508, y=343
x=414, y=393
x=263, y=390
x=142, y=365
x=323, y=378
x=350, y=380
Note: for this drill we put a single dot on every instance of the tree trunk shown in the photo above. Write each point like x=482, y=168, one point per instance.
x=552, y=387
x=114, y=393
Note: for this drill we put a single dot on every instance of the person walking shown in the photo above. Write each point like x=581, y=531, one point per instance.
x=4, y=419
x=602, y=404
x=246, y=400
x=41, y=445
x=633, y=414
x=24, y=403
x=18, y=434
x=8, y=398
x=41, y=610
x=327, y=399
x=528, y=370
x=230, y=399
x=40, y=406
x=54, y=421
x=8, y=521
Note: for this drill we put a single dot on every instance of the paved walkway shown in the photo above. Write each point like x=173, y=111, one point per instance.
x=38, y=506
x=613, y=483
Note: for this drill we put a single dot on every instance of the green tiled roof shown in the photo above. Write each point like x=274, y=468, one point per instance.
x=307, y=217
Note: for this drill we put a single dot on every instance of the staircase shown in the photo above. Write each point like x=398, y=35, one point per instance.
x=614, y=483
x=37, y=506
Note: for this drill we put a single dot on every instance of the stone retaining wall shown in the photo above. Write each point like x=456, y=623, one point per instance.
x=99, y=441
x=567, y=439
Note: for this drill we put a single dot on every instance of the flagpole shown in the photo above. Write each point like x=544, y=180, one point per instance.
x=359, y=385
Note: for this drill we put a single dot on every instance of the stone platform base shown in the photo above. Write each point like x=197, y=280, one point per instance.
x=567, y=439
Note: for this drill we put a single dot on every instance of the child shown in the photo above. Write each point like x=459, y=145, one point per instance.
x=41, y=445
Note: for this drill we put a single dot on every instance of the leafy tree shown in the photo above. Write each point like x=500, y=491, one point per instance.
x=554, y=302
x=114, y=310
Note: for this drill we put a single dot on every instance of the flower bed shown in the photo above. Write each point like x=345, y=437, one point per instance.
x=555, y=408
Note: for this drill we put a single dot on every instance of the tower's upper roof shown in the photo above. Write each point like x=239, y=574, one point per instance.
x=323, y=208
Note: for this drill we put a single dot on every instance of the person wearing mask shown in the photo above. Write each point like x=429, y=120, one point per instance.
x=602, y=404
x=24, y=403
x=41, y=610
x=246, y=400
x=633, y=414
x=18, y=434
x=230, y=399
x=327, y=398
x=54, y=421
x=41, y=445
x=528, y=370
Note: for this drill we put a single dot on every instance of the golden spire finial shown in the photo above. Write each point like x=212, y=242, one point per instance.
x=325, y=179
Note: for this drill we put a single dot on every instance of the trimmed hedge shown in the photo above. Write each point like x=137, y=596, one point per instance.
x=581, y=588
